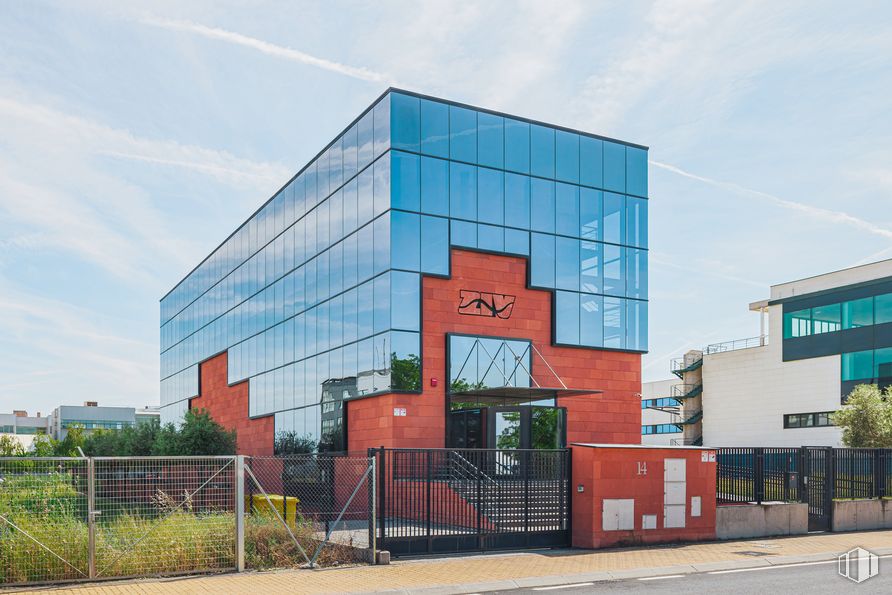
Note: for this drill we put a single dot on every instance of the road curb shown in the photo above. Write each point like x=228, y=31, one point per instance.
x=617, y=575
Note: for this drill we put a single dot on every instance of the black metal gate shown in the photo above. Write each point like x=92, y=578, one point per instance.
x=454, y=500
x=817, y=486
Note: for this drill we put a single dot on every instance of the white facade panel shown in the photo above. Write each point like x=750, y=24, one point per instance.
x=747, y=392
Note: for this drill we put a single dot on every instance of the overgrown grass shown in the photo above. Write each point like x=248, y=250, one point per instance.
x=143, y=540
x=269, y=545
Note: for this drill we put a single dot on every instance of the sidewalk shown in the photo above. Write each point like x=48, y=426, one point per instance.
x=473, y=573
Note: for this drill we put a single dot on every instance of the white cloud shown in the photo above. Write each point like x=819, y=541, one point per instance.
x=268, y=48
x=828, y=215
x=62, y=341
x=92, y=137
x=57, y=184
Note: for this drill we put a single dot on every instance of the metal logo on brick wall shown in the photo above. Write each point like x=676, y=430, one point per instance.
x=481, y=303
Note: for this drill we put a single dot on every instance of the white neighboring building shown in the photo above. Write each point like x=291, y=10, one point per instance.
x=23, y=427
x=828, y=333
x=659, y=412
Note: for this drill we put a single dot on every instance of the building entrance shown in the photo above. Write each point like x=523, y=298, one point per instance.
x=508, y=427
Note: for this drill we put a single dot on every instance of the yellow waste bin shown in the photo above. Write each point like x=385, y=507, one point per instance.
x=285, y=506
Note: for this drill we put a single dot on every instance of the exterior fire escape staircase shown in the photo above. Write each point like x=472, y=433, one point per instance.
x=689, y=415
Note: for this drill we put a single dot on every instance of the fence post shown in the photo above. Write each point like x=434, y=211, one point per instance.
x=526, y=496
x=240, y=513
x=759, y=474
x=382, y=499
x=480, y=507
x=802, y=479
x=567, y=455
x=91, y=517
x=428, y=481
x=879, y=473
x=373, y=533
x=830, y=488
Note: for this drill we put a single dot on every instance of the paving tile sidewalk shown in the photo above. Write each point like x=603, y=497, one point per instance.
x=467, y=574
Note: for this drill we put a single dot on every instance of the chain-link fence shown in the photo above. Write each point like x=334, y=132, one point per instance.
x=308, y=509
x=43, y=520
x=64, y=519
x=163, y=516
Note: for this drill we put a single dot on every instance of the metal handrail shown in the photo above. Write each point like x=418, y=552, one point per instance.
x=736, y=344
x=684, y=391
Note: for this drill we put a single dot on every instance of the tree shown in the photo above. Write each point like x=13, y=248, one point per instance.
x=43, y=446
x=405, y=372
x=292, y=443
x=10, y=447
x=68, y=446
x=132, y=441
x=198, y=435
x=138, y=441
x=104, y=443
x=866, y=418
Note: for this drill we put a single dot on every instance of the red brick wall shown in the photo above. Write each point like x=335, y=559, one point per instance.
x=613, y=472
x=228, y=405
x=611, y=417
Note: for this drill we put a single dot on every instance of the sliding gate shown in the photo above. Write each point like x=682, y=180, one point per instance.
x=455, y=500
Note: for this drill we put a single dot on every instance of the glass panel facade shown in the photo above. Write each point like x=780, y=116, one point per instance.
x=483, y=362
x=839, y=316
x=316, y=297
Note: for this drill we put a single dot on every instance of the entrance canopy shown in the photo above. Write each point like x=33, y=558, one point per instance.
x=516, y=395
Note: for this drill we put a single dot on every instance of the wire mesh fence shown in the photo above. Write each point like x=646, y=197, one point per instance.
x=308, y=509
x=163, y=515
x=64, y=519
x=43, y=520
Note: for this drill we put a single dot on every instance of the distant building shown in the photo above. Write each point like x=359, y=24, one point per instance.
x=90, y=416
x=829, y=333
x=659, y=413
x=149, y=413
x=23, y=427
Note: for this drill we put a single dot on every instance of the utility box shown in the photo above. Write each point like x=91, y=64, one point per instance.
x=634, y=494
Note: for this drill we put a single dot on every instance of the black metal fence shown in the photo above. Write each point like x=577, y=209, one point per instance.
x=781, y=474
x=451, y=500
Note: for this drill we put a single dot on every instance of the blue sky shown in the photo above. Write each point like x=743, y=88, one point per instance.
x=134, y=138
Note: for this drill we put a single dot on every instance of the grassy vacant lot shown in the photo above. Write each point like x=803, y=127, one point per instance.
x=44, y=534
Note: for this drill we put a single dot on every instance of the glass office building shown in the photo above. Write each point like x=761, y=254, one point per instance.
x=854, y=322
x=317, y=296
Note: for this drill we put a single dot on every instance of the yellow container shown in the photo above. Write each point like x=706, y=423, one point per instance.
x=286, y=507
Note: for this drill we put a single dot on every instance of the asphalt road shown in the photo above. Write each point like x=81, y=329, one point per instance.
x=811, y=578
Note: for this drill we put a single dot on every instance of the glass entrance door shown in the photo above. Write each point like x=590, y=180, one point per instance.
x=527, y=426
x=466, y=428
x=508, y=428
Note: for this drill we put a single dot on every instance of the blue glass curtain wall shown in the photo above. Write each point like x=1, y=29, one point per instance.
x=317, y=295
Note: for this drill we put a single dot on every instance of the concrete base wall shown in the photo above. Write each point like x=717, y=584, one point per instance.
x=862, y=515
x=761, y=520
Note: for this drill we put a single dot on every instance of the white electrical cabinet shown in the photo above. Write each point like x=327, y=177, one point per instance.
x=618, y=515
x=674, y=493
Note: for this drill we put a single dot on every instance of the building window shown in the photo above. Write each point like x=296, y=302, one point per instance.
x=840, y=316
x=807, y=420
x=660, y=429
x=662, y=402
x=870, y=365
